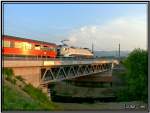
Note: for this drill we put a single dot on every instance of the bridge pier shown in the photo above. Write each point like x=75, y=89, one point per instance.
x=46, y=90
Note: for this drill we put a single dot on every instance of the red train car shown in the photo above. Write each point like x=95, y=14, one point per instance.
x=16, y=46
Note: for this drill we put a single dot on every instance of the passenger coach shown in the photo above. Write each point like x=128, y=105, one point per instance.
x=15, y=46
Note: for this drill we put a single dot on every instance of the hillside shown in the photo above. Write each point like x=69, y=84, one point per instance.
x=20, y=96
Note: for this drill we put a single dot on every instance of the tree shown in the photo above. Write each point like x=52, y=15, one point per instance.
x=136, y=77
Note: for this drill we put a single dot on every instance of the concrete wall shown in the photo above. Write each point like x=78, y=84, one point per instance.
x=31, y=75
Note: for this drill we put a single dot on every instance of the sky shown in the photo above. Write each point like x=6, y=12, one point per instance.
x=104, y=25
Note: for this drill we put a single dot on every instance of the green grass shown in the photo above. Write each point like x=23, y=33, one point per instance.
x=16, y=100
x=29, y=99
x=24, y=98
x=37, y=94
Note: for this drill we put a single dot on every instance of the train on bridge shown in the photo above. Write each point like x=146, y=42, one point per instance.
x=16, y=46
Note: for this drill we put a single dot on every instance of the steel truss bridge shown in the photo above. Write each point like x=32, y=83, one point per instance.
x=53, y=70
x=66, y=69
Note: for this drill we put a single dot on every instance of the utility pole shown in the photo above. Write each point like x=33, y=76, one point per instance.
x=92, y=48
x=119, y=51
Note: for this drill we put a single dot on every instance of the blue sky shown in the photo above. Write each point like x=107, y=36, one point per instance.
x=55, y=22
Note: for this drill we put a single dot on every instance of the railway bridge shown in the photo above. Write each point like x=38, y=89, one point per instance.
x=41, y=72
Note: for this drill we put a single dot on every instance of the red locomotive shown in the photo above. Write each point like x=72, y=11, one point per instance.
x=15, y=46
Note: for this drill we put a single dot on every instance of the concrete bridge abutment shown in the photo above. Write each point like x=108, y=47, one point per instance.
x=31, y=75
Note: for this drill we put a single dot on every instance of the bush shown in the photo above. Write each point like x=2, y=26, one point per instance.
x=8, y=72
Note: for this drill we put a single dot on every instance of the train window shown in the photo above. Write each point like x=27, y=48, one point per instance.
x=29, y=46
x=6, y=43
x=12, y=44
x=45, y=48
x=52, y=49
x=37, y=47
x=26, y=45
x=18, y=45
x=63, y=49
x=23, y=45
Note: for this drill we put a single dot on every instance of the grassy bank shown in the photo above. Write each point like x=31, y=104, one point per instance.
x=17, y=95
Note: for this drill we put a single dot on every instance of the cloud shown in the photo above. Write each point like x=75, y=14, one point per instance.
x=128, y=31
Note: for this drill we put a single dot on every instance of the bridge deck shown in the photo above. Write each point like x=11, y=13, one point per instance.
x=52, y=62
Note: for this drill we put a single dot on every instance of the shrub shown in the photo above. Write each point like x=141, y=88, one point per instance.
x=8, y=72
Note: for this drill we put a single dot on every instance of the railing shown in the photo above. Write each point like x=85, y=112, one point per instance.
x=54, y=59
